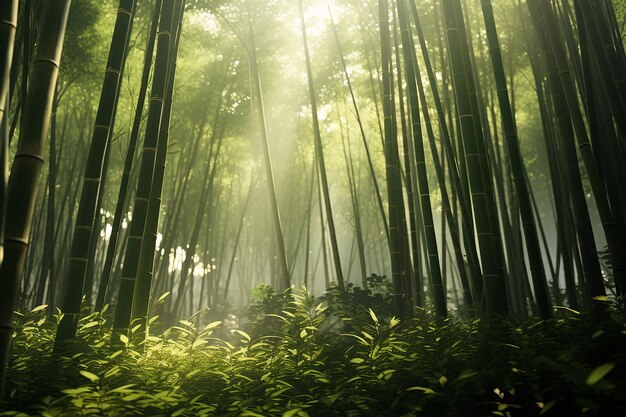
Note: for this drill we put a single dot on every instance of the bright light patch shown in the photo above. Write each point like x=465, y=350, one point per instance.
x=206, y=21
x=317, y=18
x=106, y=233
x=159, y=239
x=198, y=270
x=176, y=260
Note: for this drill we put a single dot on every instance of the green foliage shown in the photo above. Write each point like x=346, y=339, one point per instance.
x=301, y=356
x=81, y=47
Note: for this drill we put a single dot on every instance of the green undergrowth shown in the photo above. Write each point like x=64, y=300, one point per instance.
x=295, y=355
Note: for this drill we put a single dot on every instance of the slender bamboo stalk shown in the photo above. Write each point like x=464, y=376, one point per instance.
x=459, y=187
x=309, y=210
x=319, y=152
x=437, y=290
x=91, y=188
x=207, y=190
x=572, y=112
x=128, y=162
x=354, y=199
x=517, y=166
x=47, y=262
x=285, y=280
x=357, y=114
x=146, y=170
x=490, y=265
x=22, y=186
x=409, y=174
x=392, y=160
x=141, y=293
x=8, y=24
x=244, y=210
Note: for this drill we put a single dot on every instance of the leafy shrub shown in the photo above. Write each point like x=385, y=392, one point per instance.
x=333, y=356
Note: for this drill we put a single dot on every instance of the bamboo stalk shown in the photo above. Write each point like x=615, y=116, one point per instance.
x=22, y=185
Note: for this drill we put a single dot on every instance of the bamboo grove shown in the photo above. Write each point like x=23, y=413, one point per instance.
x=472, y=152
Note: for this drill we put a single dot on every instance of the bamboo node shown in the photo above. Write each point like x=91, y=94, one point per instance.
x=110, y=70
x=48, y=60
x=17, y=240
x=9, y=23
x=125, y=11
x=30, y=155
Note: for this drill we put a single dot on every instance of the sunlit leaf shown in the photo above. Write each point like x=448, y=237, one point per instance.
x=242, y=334
x=546, y=407
x=162, y=298
x=211, y=325
x=421, y=389
x=465, y=375
x=599, y=373
x=123, y=388
x=39, y=308
x=291, y=413
x=373, y=315
x=89, y=376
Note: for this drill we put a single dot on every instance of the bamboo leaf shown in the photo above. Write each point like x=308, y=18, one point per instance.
x=600, y=372
x=89, y=376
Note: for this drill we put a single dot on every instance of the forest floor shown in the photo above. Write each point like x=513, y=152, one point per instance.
x=299, y=356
